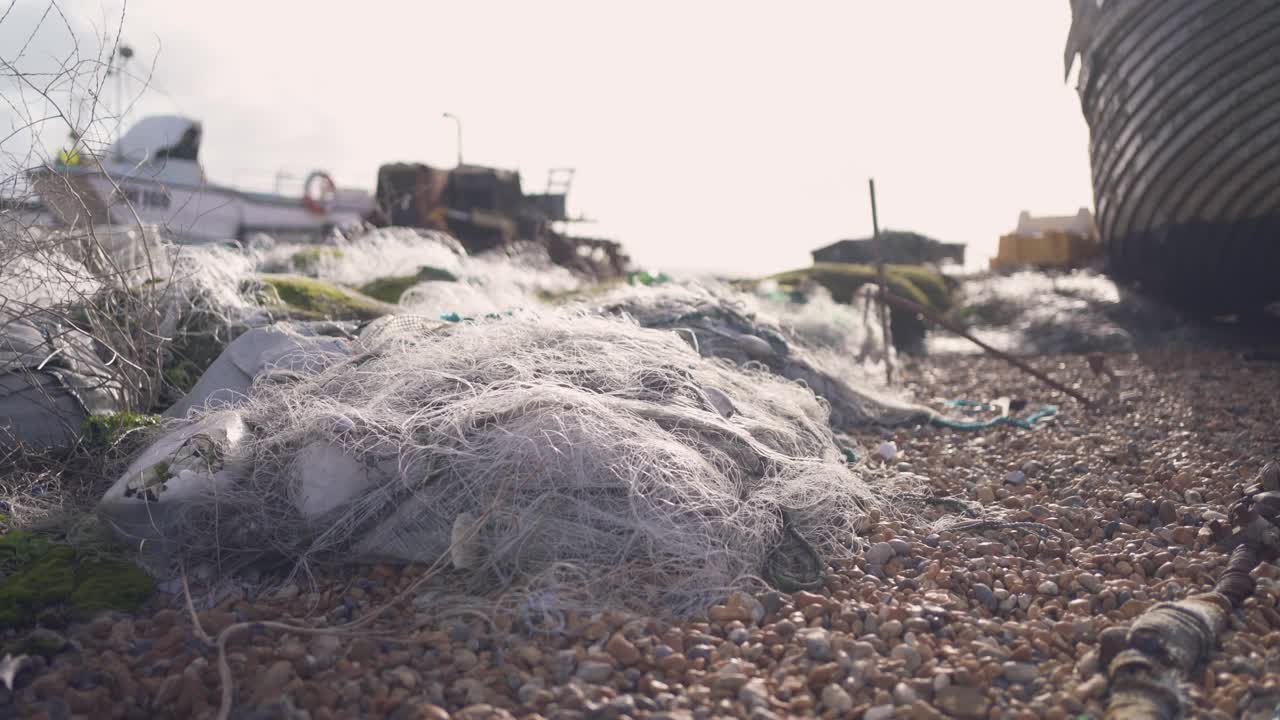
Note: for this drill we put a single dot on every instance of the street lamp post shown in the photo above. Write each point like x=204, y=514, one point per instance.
x=116, y=67
x=458, y=123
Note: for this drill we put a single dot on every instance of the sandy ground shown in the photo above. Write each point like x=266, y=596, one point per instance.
x=1002, y=623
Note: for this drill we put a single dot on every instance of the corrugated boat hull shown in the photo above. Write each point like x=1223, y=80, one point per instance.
x=1182, y=98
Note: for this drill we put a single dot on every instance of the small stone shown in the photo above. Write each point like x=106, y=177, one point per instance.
x=1183, y=535
x=879, y=712
x=908, y=655
x=1087, y=665
x=1048, y=587
x=754, y=693
x=428, y=711
x=1089, y=582
x=595, y=672
x=622, y=650
x=566, y=661
x=986, y=495
x=835, y=698
x=903, y=694
x=962, y=701
x=324, y=648
x=1020, y=672
x=728, y=683
x=1091, y=688
x=900, y=546
x=674, y=664
x=464, y=660
x=879, y=554
x=530, y=655
x=1016, y=478
x=817, y=644
x=271, y=683
x=403, y=676
x=983, y=594
x=1168, y=512
x=362, y=650
x=890, y=629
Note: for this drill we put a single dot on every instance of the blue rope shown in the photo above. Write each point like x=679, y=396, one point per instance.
x=454, y=317
x=1045, y=411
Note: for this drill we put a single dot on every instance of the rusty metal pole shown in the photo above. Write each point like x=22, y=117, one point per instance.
x=883, y=280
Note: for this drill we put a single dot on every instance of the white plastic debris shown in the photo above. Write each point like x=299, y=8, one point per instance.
x=888, y=450
x=281, y=346
x=327, y=477
x=179, y=472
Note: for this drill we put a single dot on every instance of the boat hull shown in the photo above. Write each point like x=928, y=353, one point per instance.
x=1182, y=98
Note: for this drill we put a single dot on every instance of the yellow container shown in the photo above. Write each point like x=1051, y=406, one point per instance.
x=1051, y=249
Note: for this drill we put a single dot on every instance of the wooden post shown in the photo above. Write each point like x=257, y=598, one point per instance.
x=883, y=280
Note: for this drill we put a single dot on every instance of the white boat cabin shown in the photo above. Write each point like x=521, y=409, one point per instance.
x=152, y=175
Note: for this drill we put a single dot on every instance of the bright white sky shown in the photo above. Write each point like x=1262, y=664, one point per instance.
x=733, y=136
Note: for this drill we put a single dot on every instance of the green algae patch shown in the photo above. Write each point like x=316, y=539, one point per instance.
x=106, y=430
x=44, y=576
x=390, y=289
x=307, y=298
x=308, y=260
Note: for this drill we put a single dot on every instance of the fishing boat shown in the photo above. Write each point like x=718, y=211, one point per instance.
x=152, y=175
x=1182, y=98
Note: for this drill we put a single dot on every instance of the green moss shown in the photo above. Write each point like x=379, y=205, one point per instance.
x=183, y=376
x=935, y=286
x=389, y=289
x=308, y=260
x=308, y=298
x=40, y=575
x=105, y=430
x=109, y=585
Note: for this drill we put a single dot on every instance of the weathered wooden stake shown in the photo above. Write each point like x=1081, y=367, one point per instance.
x=883, y=281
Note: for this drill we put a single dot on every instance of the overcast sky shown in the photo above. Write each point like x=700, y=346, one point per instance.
x=734, y=136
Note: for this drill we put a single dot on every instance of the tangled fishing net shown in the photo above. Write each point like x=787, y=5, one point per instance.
x=559, y=452
x=823, y=345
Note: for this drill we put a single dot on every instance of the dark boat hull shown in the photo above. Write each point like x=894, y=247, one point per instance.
x=1182, y=98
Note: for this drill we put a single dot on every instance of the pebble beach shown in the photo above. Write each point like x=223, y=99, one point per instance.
x=990, y=600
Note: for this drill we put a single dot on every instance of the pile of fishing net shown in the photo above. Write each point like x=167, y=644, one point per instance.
x=557, y=451
x=830, y=348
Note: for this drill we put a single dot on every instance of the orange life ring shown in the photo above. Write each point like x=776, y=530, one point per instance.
x=319, y=192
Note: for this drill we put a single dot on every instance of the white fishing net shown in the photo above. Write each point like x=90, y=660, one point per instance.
x=543, y=451
x=830, y=348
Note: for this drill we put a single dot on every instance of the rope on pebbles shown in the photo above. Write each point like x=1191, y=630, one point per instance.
x=1172, y=640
